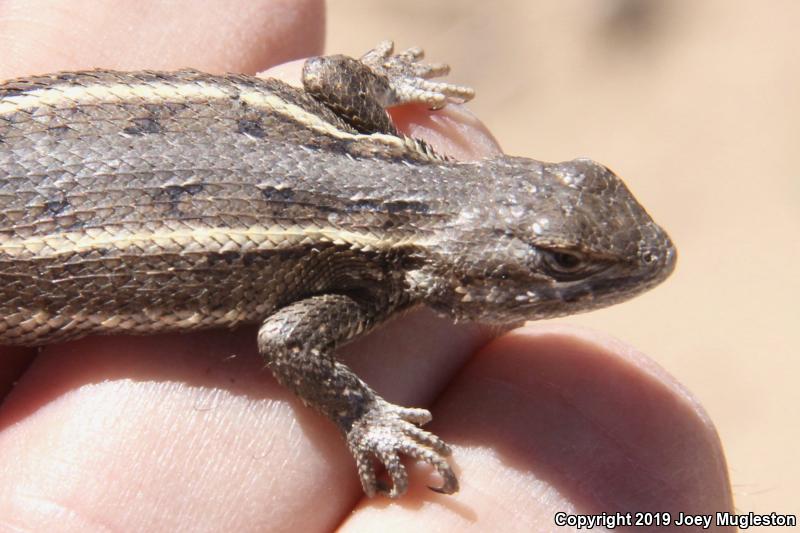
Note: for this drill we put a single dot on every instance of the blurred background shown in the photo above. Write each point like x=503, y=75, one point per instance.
x=697, y=106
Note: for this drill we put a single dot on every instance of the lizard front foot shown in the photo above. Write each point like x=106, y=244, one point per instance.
x=409, y=78
x=384, y=433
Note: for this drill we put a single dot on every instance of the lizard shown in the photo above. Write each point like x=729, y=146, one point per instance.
x=145, y=202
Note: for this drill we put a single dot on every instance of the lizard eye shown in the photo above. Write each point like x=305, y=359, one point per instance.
x=564, y=266
x=566, y=262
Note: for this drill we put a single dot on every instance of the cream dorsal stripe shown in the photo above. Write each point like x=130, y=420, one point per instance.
x=207, y=239
x=154, y=92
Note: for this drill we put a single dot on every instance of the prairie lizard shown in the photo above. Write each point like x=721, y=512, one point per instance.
x=143, y=202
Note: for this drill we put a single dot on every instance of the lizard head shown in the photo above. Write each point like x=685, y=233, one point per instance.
x=541, y=240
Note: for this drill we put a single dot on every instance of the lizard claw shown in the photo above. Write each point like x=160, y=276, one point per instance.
x=384, y=433
x=409, y=79
x=379, y=54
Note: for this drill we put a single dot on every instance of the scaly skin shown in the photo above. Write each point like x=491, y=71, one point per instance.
x=145, y=202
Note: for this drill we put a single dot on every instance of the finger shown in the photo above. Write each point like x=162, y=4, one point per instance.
x=40, y=36
x=193, y=425
x=550, y=419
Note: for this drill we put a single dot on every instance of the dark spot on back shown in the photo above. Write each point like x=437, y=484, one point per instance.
x=164, y=109
x=56, y=207
x=143, y=126
x=59, y=130
x=193, y=188
x=391, y=207
x=365, y=205
x=67, y=76
x=397, y=206
x=251, y=127
x=176, y=191
x=230, y=256
x=12, y=91
x=273, y=194
x=23, y=85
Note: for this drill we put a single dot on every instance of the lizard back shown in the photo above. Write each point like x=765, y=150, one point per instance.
x=147, y=201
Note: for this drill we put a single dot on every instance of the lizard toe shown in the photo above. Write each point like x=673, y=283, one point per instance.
x=385, y=433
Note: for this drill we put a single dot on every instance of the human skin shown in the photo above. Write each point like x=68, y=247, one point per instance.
x=190, y=432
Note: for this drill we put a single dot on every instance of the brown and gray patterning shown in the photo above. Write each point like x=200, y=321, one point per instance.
x=142, y=202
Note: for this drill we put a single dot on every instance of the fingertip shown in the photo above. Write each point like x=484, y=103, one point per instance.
x=589, y=416
x=217, y=36
x=452, y=131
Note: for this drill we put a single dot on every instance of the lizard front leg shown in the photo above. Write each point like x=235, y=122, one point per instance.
x=298, y=345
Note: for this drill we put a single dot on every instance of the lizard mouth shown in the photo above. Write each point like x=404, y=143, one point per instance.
x=651, y=268
x=612, y=285
x=660, y=267
x=533, y=300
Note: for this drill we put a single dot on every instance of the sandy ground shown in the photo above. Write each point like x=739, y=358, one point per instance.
x=696, y=105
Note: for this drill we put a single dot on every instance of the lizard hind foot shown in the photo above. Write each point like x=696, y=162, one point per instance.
x=385, y=433
x=409, y=78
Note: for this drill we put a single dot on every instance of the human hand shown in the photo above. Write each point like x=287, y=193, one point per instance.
x=170, y=432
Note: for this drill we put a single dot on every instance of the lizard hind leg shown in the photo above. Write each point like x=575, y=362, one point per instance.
x=409, y=78
x=360, y=90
